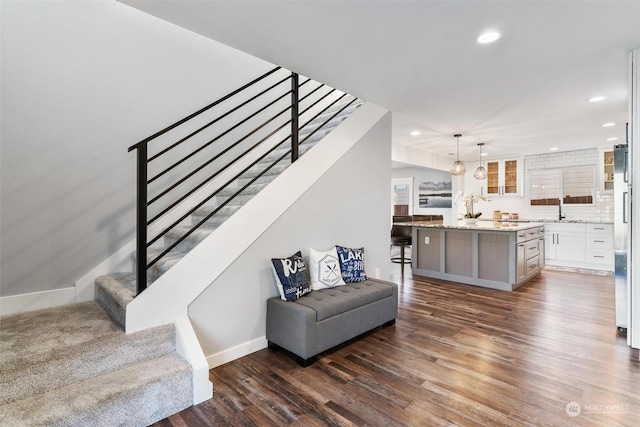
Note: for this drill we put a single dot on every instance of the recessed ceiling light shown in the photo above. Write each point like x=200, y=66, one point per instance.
x=415, y=133
x=488, y=37
x=484, y=154
x=612, y=139
x=596, y=99
x=608, y=125
x=553, y=149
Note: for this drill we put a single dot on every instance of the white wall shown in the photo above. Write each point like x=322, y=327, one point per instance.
x=81, y=82
x=348, y=205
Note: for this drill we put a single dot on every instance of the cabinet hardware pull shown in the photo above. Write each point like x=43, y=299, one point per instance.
x=533, y=247
x=598, y=241
x=598, y=256
x=598, y=228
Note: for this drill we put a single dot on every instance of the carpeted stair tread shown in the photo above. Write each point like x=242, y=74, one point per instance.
x=46, y=349
x=253, y=189
x=137, y=395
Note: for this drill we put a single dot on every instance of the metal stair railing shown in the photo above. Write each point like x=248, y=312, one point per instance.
x=235, y=132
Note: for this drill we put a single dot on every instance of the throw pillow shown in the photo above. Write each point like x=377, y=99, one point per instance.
x=291, y=276
x=351, y=264
x=325, y=269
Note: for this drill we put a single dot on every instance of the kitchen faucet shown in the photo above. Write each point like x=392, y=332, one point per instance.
x=560, y=216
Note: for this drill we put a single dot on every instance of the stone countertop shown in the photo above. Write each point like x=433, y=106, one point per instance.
x=564, y=221
x=480, y=225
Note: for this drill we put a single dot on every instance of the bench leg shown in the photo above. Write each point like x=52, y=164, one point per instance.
x=389, y=323
x=305, y=362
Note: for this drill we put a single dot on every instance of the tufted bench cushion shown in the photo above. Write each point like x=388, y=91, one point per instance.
x=326, y=318
x=330, y=302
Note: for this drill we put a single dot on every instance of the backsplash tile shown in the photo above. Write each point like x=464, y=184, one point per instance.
x=601, y=210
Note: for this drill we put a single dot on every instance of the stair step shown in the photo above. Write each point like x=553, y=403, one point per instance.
x=137, y=395
x=274, y=171
x=242, y=198
x=197, y=236
x=113, y=292
x=217, y=219
x=47, y=349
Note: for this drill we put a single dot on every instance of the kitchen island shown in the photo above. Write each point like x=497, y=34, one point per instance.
x=493, y=254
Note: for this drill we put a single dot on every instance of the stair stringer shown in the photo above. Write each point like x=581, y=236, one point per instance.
x=170, y=295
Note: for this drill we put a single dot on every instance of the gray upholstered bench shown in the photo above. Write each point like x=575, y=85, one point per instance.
x=326, y=318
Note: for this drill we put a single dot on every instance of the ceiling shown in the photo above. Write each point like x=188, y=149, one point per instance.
x=523, y=94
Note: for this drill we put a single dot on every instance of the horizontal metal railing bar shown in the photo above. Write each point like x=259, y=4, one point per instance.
x=202, y=110
x=205, y=181
x=221, y=153
x=217, y=119
x=311, y=93
x=151, y=180
x=201, y=222
x=328, y=120
x=232, y=128
x=323, y=110
x=316, y=103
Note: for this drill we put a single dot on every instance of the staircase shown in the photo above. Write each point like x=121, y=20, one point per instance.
x=72, y=366
x=114, y=291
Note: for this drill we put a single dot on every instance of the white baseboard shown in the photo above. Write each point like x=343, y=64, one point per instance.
x=36, y=300
x=236, y=352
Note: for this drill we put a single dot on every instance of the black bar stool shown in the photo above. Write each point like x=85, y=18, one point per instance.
x=401, y=236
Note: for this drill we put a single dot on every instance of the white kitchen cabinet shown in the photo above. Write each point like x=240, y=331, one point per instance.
x=600, y=246
x=605, y=169
x=579, y=245
x=565, y=244
x=504, y=177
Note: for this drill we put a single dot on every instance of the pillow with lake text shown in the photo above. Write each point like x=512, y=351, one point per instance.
x=351, y=264
x=325, y=269
x=291, y=277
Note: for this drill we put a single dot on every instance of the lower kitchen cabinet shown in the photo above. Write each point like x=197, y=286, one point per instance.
x=579, y=245
x=529, y=249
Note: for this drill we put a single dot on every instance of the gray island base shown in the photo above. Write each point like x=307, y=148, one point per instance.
x=493, y=254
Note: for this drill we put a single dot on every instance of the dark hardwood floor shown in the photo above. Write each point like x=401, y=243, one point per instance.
x=546, y=354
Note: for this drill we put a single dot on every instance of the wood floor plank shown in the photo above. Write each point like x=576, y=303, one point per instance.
x=457, y=355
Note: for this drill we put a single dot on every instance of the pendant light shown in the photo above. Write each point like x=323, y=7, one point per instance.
x=458, y=167
x=481, y=172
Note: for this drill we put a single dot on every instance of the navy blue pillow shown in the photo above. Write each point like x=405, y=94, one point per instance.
x=351, y=264
x=291, y=275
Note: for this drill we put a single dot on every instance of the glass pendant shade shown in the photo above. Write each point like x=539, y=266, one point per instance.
x=481, y=172
x=458, y=167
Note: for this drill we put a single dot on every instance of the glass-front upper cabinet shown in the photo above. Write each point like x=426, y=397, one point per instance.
x=503, y=177
x=606, y=170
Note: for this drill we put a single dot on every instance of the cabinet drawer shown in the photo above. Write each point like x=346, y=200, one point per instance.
x=595, y=256
x=533, y=248
x=533, y=264
x=600, y=241
x=521, y=236
x=600, y=228
x=532, y=233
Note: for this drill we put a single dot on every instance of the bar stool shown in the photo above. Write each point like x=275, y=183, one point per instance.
x=401, y=236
